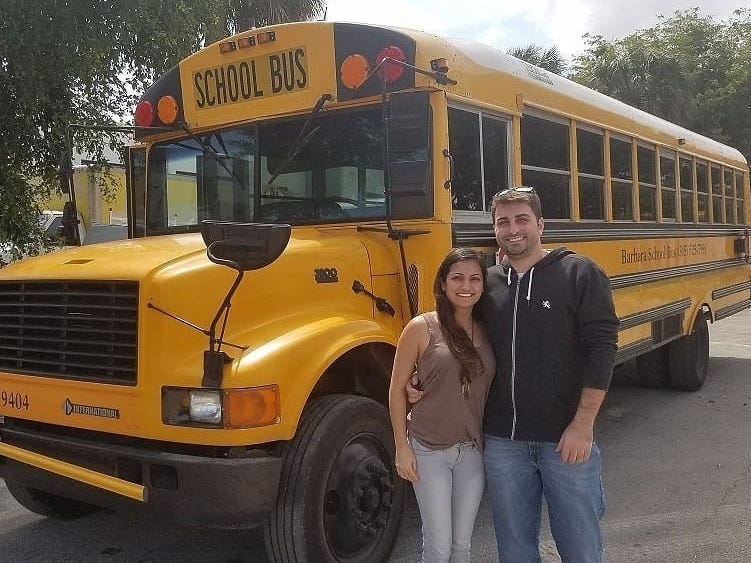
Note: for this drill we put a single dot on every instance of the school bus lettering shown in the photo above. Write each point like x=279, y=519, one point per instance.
x=666, y=252
x=276, y=73
x=288, y=71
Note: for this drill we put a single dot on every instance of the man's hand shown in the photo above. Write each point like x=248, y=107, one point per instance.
x=413, y=393
x=575, y=444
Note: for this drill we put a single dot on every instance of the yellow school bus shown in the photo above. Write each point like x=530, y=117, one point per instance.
x=291, y=193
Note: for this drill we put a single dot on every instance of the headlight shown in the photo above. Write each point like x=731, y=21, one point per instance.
x=248, y=407
x=205, y=406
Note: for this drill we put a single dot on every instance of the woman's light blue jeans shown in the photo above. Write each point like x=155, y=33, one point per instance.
x=518, y=475
x=449, y=490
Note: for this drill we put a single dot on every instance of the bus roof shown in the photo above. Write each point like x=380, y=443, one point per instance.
x=489, y=75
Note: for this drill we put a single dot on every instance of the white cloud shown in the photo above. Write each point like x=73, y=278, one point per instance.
x=611, y=20
x=506, y=24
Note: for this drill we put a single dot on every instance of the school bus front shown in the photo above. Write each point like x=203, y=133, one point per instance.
x=220, y=381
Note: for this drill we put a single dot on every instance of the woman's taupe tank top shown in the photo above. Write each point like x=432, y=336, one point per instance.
x=443, y=417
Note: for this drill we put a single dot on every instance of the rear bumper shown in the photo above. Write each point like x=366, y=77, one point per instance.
x=197, y=490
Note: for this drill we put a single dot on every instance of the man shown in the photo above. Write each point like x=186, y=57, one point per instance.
x=552, y=324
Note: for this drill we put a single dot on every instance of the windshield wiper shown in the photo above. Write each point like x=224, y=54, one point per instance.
x=303, y=138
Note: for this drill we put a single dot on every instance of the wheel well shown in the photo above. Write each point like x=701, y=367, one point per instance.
x=364, y=371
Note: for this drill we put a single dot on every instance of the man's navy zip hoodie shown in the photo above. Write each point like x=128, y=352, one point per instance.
x=554, y=331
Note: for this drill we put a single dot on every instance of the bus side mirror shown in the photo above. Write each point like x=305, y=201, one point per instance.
x=408, y=134
x=244, y=246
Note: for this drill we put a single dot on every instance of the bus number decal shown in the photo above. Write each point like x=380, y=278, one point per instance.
x=261, y=77
x=17, y=401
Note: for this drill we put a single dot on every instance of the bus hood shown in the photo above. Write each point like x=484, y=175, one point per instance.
x=129, y=259
x=175, y=274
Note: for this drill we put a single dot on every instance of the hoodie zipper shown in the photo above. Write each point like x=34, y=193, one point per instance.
x=513, y=358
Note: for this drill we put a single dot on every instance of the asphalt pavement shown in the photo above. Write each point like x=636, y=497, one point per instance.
x=677, y=472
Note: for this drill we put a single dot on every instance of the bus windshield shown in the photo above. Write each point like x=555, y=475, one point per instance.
x=247, y=174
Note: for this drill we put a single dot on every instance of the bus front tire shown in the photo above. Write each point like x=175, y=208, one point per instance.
x=339, y=498
x=48, y=504
x=689, y=357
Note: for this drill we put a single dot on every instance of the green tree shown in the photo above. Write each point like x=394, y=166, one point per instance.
x=66, y=61
x=689, y=69
x=549, y=59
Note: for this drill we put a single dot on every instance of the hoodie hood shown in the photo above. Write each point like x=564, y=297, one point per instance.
x=551, y=257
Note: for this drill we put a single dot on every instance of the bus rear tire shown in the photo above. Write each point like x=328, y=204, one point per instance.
x=689, y=357
x=48, y=504
x=340, y=498
x=652, y=369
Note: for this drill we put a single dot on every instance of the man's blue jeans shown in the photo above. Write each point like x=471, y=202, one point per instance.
x=518, y=474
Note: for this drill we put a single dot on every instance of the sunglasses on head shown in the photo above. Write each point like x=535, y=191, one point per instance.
x=520, y=189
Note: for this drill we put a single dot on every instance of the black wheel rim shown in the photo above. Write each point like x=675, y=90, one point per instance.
x=358, y=497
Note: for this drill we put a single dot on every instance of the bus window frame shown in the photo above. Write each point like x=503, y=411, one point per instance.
x=729, y=194
x=642, y=185
x=702, y=195
x=621, y=182
x=576, y=186
x=741, y=204
x=691, y=190
x=668, y=154
x=563, y=173
x=481, y=216
x=716, y=195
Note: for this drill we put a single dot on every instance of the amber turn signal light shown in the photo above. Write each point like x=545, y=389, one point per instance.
x=167, y=110
x=252, y=407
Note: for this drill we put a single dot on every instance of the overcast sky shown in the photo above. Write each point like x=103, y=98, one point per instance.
x=505, y=24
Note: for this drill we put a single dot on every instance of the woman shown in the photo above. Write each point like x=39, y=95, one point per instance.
x=439, y=448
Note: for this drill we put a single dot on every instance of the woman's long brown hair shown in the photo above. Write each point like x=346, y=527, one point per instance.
x=458, y=341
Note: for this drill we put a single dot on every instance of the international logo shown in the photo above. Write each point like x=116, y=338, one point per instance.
x=70, y=408
x=546, y=304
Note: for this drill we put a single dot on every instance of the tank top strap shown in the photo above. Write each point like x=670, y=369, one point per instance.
x=431, y=321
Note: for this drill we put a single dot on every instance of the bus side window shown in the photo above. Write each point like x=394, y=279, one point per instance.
x=715, y=176
x=494, y=157
x=590, y=156
x=702, y=187
x=740, y=204
x=687, y=189
x=667, y=184
x=464, y=142
x=621, y=176
x=546, y=165
x=727, y=180
x=647, y=174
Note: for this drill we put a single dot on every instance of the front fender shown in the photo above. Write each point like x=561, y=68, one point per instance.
x=296, y=359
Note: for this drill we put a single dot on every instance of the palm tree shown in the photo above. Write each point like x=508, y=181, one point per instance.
x=234, y=16
x=640, y=73
x=549, y=59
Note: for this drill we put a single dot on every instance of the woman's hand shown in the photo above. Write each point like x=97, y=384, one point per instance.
x=406, y=464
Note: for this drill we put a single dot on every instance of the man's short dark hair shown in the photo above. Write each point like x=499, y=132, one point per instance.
x=521, y=194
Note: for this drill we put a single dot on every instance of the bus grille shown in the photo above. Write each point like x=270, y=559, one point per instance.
x=85, y=331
